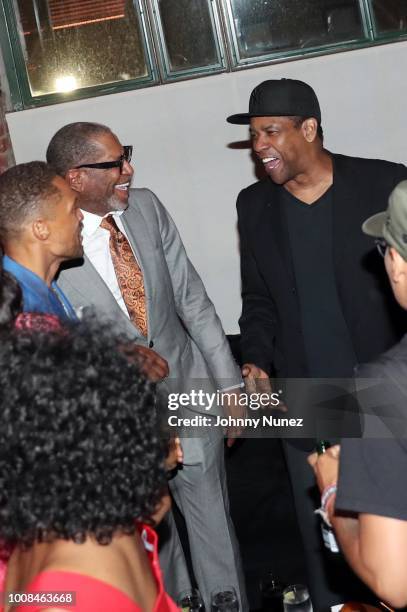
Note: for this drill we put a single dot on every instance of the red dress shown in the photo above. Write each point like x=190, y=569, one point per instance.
x=94, y=595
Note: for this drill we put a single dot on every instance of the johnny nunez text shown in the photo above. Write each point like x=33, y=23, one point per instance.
x=218, y=421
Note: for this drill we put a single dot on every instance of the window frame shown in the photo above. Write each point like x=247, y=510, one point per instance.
x=157, y=60
x=168, y=74
x=239, y=63
x=20, y=91
x=383, y=37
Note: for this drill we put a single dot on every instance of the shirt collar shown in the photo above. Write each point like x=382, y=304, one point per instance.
x=91, y=222
x=22, y=273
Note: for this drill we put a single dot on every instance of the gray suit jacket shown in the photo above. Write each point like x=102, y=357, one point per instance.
x=183, y=326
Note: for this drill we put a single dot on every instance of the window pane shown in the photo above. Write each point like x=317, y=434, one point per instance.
x=390, y=15
x=71, y=44
x=188, y=33
x=267, y=26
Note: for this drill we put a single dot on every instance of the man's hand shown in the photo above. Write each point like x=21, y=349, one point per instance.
x=257, y=380
x=326, y=466
x=162, y=508
x=175, y=454
x=231, y=407
x=250, y=370
x=151, y=364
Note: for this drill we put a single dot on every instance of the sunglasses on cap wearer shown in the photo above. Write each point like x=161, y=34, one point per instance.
x=118, y=163
x=381, y=246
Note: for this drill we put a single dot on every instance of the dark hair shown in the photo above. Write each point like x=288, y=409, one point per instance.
x=73, y=144
x=298, y=121
x=11, y=298
x=80, y=447
x=23, y=190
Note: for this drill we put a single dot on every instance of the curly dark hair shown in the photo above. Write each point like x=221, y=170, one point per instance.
x=80, y=446
x=24, y=189
x=74, y=144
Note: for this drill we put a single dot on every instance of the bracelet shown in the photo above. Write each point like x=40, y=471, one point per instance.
x=327, y=493
x=231, y=388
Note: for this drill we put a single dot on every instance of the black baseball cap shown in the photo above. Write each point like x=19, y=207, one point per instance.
x=280, y=98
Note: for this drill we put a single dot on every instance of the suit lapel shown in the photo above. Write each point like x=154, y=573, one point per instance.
x=87, y=282
x=346, y=231
x=340, y=213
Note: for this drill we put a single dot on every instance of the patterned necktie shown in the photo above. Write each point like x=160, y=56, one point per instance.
x=128, y=273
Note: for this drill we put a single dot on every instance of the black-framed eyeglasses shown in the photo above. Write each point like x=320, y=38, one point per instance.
x=381, y=246
x=118, y=163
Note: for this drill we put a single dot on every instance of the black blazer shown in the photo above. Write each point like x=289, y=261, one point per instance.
x=270, y=322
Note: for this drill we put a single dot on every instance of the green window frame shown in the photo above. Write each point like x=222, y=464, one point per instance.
x=168, y=71
x=239, y=60
x=157, y=53
x=20, y=90
x=370, y=37
x=378, y=35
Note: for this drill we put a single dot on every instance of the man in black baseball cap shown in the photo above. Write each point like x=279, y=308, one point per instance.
x=312, y=303
x=285, y=126
x=282, y=98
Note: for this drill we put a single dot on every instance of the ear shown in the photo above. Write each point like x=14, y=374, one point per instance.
x=75, y=178
x=40, y=229
x=397, y=266
x=309, y=129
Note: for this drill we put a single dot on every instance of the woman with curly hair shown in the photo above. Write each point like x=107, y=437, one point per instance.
x=82, y=475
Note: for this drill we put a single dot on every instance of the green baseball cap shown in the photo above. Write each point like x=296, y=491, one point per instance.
x=392, y=223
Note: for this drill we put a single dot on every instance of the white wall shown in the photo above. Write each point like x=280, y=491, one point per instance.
x=181, y=142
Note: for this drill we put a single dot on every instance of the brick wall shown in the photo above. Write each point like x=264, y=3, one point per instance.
x=6, y=151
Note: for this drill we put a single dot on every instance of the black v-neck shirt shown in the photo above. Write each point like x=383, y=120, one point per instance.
x=328, y=345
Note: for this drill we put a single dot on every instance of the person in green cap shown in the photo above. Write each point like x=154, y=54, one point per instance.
x=362, y=482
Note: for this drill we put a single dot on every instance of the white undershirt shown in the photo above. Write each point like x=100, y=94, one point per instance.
x=96, y=247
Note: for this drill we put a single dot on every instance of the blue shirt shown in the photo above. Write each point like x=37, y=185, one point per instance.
x=37, y=296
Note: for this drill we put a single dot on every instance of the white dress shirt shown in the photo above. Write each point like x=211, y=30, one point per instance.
x=96, y=248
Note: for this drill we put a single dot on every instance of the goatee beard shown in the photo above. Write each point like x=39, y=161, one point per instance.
x=114, y=203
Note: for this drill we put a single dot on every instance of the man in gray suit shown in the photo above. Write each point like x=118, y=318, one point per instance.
x=136, y=273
